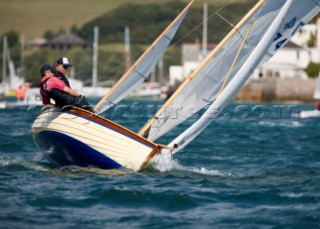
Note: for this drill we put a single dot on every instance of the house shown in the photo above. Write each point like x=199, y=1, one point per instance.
x=191, y=58
x=37, y=43
x=289, y=62
x=67, y=41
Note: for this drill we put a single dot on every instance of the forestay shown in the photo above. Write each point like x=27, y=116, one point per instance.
x=290, y=16
x=143, y=66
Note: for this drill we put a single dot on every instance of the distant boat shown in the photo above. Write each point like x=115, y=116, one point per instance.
x=32, y=98
x=13, y=82
x=79, y=137
x=149, y=91
x=88, y=91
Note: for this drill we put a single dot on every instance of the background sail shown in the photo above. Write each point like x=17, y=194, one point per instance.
x=316, y=94
x=143, y=67
x=205, y=85
x=292, y=17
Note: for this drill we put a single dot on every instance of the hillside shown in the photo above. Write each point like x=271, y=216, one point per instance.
x=33, y=17
x=147, y=21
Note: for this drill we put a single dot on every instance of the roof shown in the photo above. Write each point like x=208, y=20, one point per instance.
x=37, y=42
x=290, y=44
x=68, y=39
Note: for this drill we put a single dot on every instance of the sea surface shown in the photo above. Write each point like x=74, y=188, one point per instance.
x=256, y=166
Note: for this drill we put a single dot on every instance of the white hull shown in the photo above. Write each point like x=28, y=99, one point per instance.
x=310, y=114
x=3, y=104
x=152, y=90
x=78, y=137
x=32, y=98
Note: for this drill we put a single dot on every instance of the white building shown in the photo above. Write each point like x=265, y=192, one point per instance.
x=191, y=58
x=303, y=36
x=290, y=61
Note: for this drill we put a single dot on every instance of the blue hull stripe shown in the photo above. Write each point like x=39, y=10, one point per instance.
x=61, y=149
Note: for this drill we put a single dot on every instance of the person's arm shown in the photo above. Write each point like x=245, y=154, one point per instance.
x=70, y=91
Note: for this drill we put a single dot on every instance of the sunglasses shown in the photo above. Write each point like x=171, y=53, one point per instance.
x=65, y=66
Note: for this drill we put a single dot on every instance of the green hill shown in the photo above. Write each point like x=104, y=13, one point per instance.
x=147, y=21
x=33, y=17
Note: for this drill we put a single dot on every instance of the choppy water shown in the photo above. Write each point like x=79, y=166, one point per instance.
x=254, y=167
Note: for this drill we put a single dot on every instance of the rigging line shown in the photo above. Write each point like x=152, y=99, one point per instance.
x=232, y=25
x=254, y=16
x=108, y=101
x=140, y=74
x=200, y=24
x=236, y=57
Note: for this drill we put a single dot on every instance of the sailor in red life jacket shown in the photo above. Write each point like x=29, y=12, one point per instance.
x=53, y=87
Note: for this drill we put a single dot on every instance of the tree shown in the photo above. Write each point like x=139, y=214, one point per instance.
x=313, y=69
x=48, y=35
x=312, y=41
x=12, y=37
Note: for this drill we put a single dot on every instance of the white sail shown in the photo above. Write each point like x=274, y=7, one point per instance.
x=143, y=66
x=203, y=85
x=292, y=16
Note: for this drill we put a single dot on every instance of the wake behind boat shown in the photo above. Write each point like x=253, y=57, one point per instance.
x=75, y=136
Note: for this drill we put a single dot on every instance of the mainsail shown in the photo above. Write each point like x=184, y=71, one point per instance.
x=265, y=29
x=143, y=66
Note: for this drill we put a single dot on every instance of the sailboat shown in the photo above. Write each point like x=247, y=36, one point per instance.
x=8, y=87
x=78, y=137
x=316, y=112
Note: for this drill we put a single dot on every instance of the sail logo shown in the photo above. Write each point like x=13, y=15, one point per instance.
x=287, y=26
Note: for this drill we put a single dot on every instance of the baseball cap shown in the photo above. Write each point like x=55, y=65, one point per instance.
x=45, y=68
x=64, y=61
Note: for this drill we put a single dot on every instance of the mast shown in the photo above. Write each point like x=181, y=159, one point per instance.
x=144, y=131
x=22, y=48
x=119, y=82
x=205, y=30
x=127, y=47
x=235, y=84
x=4, y=59
x=161, y=77
x=95, y=57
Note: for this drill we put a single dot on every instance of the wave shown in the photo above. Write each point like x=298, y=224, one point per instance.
x=165, y=163
x=290, y=124
x=22, y=163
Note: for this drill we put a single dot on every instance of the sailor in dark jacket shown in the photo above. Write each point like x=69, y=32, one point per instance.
x=53, y=88
x=61, y=69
